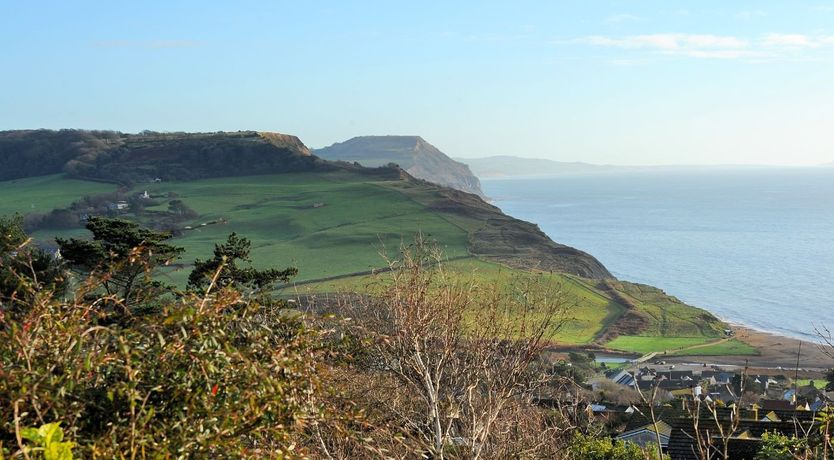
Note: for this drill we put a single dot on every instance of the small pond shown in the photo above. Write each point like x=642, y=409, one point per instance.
x=614, y=359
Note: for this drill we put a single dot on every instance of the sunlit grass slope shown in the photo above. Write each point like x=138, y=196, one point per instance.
x=682, y=346
x=325, y=224
x=588, y=311
x=648, y=344
x=45, y=193
x=333, y=226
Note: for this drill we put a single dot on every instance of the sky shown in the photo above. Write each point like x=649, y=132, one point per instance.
x=613, y=82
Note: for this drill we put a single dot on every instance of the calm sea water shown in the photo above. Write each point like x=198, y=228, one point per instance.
x=755, y=247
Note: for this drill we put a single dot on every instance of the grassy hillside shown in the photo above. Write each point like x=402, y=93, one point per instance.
x=356, y=219
x=589, y=311
x=653, y=312
x=332, y=225
x=45, y=193
x=136, y=160
x=326, y=224
x=594, y=315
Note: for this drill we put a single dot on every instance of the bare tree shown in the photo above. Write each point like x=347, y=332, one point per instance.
x=724, y=430
x=650, y=402
x=826, y=417
x=468, y=352
x=827, y=340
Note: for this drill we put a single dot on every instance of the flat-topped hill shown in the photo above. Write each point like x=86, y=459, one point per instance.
x=411, y=153
x=130, y=158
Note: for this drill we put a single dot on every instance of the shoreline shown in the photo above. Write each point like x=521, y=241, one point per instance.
x=777, y=354
x=742, y=307
x=774, y=351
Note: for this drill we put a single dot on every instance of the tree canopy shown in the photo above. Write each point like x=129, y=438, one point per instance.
x=24, y=269
x=125, y=252
x=224, y=265
x=11, y=233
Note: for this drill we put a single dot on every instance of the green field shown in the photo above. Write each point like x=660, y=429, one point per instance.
x=680, y=346
x=357, y=219
x=588, y=312
x=649, y=344
x=731, y=347
x=45, y=193
x=333, y=226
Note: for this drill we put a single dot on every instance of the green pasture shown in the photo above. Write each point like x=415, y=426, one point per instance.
x=587, y=311
x=731, y=347
x=325, y=224
x=44, y=193
x=335, y=228
x=649, y=344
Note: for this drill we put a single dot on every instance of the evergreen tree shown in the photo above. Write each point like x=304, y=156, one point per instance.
x=12, y=235
x=124, y=256
x=224, y=264
x=25, y=268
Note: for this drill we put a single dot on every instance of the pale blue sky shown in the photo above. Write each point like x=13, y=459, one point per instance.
x=628, y=82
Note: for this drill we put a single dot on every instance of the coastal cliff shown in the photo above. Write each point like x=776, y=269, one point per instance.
x=412, y=153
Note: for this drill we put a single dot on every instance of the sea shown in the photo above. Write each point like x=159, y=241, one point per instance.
x=753, y=246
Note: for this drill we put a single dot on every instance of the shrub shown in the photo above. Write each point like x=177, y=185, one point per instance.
x=207, y=375
x=47, y=442
x=586, y=447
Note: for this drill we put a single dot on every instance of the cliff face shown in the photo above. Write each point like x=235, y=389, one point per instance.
x=412, y=153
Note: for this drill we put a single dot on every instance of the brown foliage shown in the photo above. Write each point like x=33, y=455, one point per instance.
x=450, y=365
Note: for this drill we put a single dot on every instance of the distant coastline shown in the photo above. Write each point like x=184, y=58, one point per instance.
x=507, y=166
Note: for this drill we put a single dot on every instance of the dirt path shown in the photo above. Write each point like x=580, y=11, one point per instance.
x=651, y=355
x=707, y=344
x=775, y=351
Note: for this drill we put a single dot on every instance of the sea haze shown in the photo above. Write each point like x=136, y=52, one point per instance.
x=753, y=246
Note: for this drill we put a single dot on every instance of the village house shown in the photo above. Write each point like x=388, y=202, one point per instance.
x=621, y=377
x=118, y=206
x=676, y=427
x=646, y=435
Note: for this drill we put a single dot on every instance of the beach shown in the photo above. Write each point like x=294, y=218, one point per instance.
x=775, y=351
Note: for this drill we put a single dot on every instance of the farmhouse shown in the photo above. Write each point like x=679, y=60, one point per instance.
x=118, y=206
